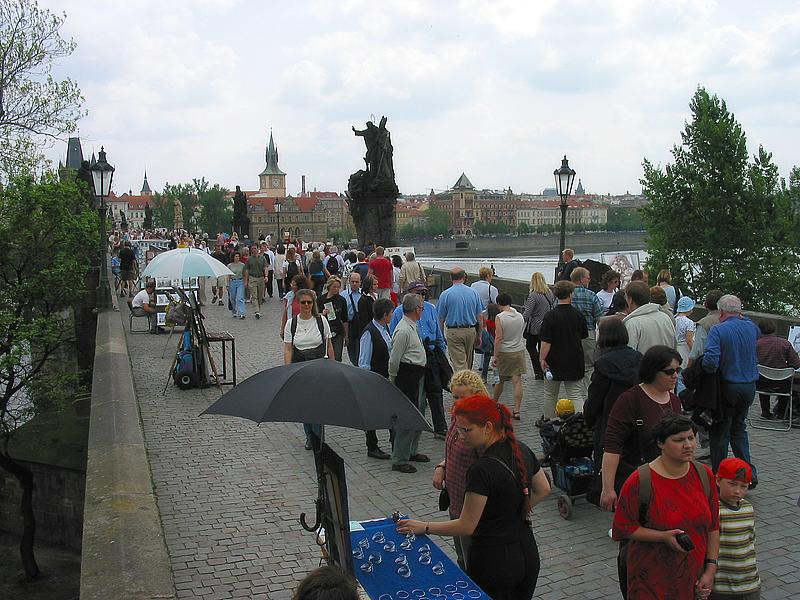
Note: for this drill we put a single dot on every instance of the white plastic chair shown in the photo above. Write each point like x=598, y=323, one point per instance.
x=775, y=375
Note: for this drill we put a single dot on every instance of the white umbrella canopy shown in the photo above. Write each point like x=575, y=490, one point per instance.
x=185, y=262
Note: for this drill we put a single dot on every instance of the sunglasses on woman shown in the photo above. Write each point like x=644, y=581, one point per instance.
x=670, y=372
x=306, y=302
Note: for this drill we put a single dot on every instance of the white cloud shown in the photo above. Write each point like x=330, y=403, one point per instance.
x=497, y=89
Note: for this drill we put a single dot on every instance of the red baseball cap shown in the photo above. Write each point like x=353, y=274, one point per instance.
x=735, y=469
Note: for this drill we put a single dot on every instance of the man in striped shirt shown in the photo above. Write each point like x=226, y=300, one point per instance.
x=737, y=574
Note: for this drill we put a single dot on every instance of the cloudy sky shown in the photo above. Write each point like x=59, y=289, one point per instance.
x=498, y=89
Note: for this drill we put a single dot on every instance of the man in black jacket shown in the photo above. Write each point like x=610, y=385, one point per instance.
x=373, y=355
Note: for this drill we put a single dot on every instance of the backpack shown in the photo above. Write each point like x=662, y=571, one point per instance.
x=645, y=493
x=311, y=353
x=188, y=364
x=332, y=265
x=292, y=269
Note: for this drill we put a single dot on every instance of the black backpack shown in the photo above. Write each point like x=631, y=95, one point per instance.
x=332, y=265
x=292, y=270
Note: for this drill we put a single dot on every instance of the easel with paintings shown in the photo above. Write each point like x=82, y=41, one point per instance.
x=197, y=332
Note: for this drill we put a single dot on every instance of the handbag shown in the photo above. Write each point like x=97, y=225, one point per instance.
x=624, y=468
x=444, y=499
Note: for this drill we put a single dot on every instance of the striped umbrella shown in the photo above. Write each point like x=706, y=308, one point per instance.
x=185, y=262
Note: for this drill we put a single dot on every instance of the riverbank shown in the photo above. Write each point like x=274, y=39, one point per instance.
x=531, y=245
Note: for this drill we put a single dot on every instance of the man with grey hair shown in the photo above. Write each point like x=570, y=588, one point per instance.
x=731, y=351
x=407, y=362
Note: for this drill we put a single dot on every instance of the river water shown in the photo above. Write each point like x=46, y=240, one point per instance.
x=521, y=268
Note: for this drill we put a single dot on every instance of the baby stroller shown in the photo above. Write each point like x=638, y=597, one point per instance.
x=568, y=445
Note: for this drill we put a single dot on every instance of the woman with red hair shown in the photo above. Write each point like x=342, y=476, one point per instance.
x=503, y=486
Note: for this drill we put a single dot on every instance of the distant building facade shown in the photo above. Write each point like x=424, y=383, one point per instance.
x=311, y=216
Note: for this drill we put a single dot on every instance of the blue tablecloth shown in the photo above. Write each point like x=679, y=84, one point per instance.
x=384, y=582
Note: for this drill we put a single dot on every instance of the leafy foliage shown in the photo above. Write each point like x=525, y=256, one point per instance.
x=216, y=213
x=34, y=107
x=717, y=219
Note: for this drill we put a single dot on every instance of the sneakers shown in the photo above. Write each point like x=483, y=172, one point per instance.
x=214, y=300
x=404, y=468
x=220, y=302
x=241, y=317
x=258, y=315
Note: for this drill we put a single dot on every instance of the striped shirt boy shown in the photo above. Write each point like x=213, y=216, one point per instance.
x=737, y=573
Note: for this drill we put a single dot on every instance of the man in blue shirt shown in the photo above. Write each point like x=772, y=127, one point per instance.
x=430, y=333
x=351, y=297
x=373, y=355
x=587, y=302
x=461, y=315
x=731, y=351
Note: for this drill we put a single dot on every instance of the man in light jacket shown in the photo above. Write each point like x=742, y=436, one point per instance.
x=647, y=325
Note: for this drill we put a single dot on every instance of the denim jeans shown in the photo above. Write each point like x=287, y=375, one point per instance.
x=737, y=397
x=236, y=296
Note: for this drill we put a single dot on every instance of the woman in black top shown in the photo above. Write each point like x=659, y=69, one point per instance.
x=364, y=307
x=615, y=371
x=333, y=307
x=503, y=486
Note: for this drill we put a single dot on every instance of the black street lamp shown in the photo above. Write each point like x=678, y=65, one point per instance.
x=102, y=175
x=279, y=236
x=565, y=177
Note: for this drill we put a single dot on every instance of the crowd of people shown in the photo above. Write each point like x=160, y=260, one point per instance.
x=653, y=383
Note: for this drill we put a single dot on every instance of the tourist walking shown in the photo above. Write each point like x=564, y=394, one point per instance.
x=503, y=486
x=411, y=272
x=486, y=291
x=561, y=354
x=684, y=329
x=628, y=441
x=352, y=296
x=609, y=284
x=432, y=337
x=383, y=270
x=332, y=306
x=509, y=351
x=407, y=362
x=255, y=278
x=221, y=282
x=647, y=325
x=682, y=502
x=307, y=336
x=278, y=269
x=460, y=313
x=236, y=286
x=731, y=352
x=374, y=349
x=539, y=302
x=615, y=371
x=451, y=472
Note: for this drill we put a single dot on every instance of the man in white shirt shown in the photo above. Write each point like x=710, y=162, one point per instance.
x=144, y=305
x=270, y=255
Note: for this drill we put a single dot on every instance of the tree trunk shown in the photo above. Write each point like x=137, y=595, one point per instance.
x=25, y=478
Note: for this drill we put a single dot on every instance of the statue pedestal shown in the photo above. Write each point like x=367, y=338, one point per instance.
x=241, y=226
x=373, y=216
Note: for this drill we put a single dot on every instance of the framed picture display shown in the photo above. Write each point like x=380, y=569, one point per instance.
x=162, y=300
x=794, y=337
x=163, y=283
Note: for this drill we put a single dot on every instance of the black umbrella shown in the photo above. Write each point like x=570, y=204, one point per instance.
x=596, y=271
x=321, y=391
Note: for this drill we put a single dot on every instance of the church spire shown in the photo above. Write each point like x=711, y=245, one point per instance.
x=146, y=191
x=272, y=159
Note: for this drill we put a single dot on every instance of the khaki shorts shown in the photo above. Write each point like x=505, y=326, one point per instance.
x=510, y=364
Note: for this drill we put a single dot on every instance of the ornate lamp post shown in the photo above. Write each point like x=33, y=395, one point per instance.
x=102, y=175
x=565, y=177
x=278, y=208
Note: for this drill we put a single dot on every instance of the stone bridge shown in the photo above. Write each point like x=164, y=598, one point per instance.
x=184, y=506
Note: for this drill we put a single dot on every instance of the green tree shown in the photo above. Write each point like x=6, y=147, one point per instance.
x=437, y=221
x=523, y=228
x=186, y=193
x=39, y=282
x=215, y=212
x=624, y=219
x=717, y=219
x=163, y=211
x=35, y=108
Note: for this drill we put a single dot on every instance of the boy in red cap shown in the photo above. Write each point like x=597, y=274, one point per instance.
x=737, y=573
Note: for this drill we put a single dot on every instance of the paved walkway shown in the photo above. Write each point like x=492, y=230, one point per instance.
x=230, y=492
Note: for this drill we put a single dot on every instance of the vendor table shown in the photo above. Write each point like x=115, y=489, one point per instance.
x=392, y=566
x=224, y=338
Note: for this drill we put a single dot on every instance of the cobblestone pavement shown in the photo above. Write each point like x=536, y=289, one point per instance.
x=230, y=492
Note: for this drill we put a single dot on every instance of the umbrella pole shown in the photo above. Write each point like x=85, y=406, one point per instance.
x=320, y=485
